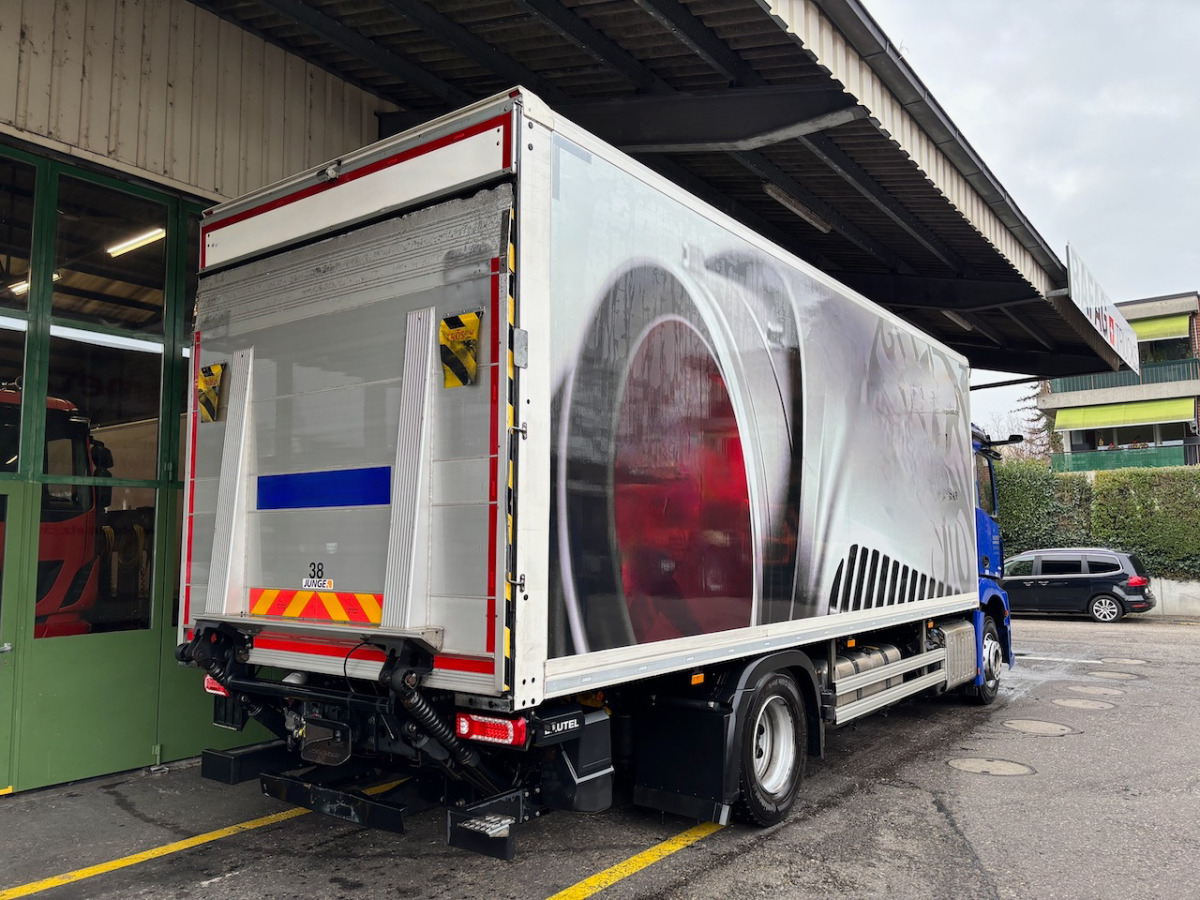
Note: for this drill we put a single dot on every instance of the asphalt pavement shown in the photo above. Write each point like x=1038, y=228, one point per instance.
x=1081, y=781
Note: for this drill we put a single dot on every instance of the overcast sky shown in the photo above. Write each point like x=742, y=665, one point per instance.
x=1088, y=113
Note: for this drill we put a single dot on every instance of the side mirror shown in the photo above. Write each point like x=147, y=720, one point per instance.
x=102, y=460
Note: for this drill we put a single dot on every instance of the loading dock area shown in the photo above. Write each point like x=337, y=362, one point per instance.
x=799, y=119
x=1000, y=798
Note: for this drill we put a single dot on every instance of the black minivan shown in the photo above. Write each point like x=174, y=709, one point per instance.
x=1105, y=584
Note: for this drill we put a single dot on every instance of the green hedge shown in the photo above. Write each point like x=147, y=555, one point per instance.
x=1154, y=513
x=1040, y=508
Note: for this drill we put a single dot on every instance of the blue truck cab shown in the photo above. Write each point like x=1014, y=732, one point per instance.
x=992, y=625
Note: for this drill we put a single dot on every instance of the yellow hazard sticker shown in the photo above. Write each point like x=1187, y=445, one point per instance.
x=208, y=391
x=458, y=337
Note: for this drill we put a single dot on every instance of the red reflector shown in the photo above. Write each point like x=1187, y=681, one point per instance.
x=214, y=687
x=490, y=729
x=1138, y=581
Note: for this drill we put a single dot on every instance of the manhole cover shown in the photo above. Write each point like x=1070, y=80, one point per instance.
x=1081, y=703
x=981, y=766
x=1095, y=690
x=1035, y=726
x=1121, y=661
x=1114, y=676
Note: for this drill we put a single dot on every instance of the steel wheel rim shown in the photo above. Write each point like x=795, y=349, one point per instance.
x=774, y=745
x=993, y=659
x=1104, y=608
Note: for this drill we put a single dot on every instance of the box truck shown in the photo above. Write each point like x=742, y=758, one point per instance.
x=513, y=467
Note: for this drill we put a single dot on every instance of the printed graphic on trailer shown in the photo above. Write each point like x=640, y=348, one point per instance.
x=737, y=441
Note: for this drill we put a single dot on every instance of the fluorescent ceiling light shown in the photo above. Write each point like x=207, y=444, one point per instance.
x=8, y=323
x=22, y=287
x=134, y=242
x=958, y=320
x=100, y=339
x=783, y=198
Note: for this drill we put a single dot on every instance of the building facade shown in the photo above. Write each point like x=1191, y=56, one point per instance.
x=120, y=120
x=1119, y=419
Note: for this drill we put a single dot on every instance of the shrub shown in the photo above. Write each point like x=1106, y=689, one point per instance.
x=1040, y=508
x=1154, y=513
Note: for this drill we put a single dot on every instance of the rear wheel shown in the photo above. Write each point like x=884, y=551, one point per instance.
x=773, y=751
x=1105, y=608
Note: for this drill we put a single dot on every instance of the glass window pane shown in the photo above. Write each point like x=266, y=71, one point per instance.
x=12, y=363
x=983, y=480
x=111, y=390
x=111, y=257
x=95, y=560
x=16, y=232
x=1062, y=566
x=1016, y=568
x=1100, y=565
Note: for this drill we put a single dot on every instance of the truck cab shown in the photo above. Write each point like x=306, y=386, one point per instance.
x=993, y=601
x=68, y=559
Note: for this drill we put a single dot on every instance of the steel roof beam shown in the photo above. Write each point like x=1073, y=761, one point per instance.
x=1036, y=335
x=927, y=292
x=824, y=148
x=360, y=45
x=592, y=42
x=700, y=39
x=480, y=51
x=210, y=7
x=767, y=170
x=983, y=328
x=1043, y=364
x=695, y=185
x=734, y=119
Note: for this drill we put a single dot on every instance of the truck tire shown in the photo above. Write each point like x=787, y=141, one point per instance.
x=993, y=662
x=773, y=751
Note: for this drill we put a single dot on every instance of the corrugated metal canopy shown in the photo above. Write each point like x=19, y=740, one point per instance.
x=723, y=97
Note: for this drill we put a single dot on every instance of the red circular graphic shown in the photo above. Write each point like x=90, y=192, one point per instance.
x=681, y=504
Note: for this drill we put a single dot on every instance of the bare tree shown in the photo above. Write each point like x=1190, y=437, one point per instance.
x=1031, y=423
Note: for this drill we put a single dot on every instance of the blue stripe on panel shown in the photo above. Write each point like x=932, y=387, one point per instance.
x=313, y=490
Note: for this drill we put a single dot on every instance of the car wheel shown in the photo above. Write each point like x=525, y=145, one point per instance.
x=1105, y=608
x=773, y=751
x=993, y=664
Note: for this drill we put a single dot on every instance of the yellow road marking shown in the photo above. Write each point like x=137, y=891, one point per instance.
x=36, y=887
x=613, y=874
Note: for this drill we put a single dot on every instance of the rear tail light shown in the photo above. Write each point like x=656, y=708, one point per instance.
x=490, y=729
x=1138, y=581
x=214, y=687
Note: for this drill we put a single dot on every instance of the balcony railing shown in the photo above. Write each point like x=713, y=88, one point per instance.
x=1152, y=373
x=1099, y=460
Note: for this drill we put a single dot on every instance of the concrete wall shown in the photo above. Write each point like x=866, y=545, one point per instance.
x=168, y=91
x=1176, y=598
